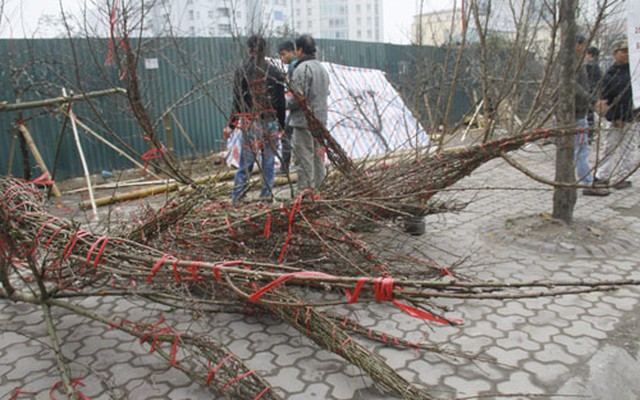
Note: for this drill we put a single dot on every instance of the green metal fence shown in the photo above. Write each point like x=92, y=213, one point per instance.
x=187, y=79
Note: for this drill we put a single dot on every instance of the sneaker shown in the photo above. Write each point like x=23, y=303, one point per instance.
x=595, y=192
x=622, y=185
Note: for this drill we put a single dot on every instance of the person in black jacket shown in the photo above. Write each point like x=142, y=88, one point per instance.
x=259, y=111
x=594, y=75
x=616, y=105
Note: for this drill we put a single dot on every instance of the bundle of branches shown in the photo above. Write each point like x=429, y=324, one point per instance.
x=403, y=186
x=318, y=230
x=44, y=259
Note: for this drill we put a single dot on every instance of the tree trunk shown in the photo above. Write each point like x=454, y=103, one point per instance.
x=564, y=198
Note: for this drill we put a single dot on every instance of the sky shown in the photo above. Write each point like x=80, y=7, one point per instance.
x=21, y=16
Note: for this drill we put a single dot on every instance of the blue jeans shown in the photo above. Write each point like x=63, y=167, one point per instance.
x=581, y=153
x=260, y=139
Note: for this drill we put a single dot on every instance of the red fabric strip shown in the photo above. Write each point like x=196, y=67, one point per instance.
x=282, y=279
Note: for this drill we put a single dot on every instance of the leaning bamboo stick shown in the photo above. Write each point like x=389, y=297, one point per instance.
x=76, y=138
x=111, y=145
x=36, y=155
x=59, y=100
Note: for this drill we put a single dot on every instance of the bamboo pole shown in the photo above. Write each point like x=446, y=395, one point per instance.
x=167, y=130
x=36, y=155
x=12, y=150
x=111, y=145
x=173, y=186
x=59, y=100
x=76, y=138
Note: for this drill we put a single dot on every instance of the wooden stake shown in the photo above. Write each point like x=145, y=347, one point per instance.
x=36, y=155
x=76, y=138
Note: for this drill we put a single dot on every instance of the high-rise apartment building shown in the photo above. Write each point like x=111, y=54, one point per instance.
x=218, y=17
x=330, y=19
x=359, y=20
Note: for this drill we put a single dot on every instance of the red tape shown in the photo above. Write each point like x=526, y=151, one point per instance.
x=421, y=314
x=282, y=279
x=156, y=267
x=356, y=292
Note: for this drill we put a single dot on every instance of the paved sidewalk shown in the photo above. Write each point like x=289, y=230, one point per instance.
x=569, y=347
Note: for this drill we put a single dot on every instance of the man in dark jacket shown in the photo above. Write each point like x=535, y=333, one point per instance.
x=594, y=75
x=259, y=112
x=616, y=105
x=583, y=101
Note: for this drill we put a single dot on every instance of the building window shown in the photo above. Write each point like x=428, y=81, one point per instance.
x=192, y=31
x=211, y=16
x=189, y=1
x=223, y=12
x=309, y=24
x=224, y=29
x=190, y=15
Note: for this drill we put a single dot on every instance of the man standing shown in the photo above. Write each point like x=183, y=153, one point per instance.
x=583, y=101
x=616, y=104
x=259, y=112
x=594, y=75
x=287, y=53
x=311, y=84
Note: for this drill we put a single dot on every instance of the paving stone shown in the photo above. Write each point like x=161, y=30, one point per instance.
x=431, y=374
x=289, y=378
x=507, y=356
x=474, y=345
x=484, y=328
x=584, y=328
x=466, y=387
x=546, y=373
x=519, y=382
x=579, y=346
x=518, y=340
x=553, y=352
x=289, y=355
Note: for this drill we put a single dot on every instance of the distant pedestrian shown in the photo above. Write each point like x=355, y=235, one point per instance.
x=287, y=53
x=259, y=112
x=310, y=82
x=616, y=105
x=583, y=101
x=594, y=76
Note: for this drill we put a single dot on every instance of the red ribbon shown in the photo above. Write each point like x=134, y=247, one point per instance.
x=282, y=279
x=213, y=371
x=421, y=314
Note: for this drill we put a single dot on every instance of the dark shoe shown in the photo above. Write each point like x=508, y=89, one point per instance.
x=622, y=185
x=595, y=192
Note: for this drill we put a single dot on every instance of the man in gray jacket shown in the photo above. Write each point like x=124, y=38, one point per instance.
x=310, y=83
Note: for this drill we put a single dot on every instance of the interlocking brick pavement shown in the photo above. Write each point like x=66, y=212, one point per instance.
x=566, y=346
